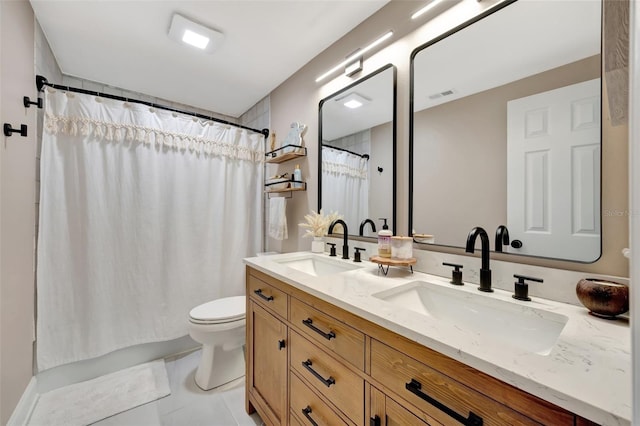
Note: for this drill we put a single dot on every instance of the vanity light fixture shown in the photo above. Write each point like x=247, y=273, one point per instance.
x=351, y=58
x=185, y=31
x=426, y=8
x=354, y=67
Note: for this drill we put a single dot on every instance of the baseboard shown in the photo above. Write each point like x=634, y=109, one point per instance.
x=25, y=406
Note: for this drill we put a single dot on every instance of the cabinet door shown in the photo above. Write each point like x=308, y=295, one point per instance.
x=268, y=363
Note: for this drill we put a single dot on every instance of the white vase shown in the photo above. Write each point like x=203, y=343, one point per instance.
x=317, y=245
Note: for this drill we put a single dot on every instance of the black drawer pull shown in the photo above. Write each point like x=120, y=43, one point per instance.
x=473, y=420
x=307, y=413
x=327, y=382
x=309, y=323
x=259, y=293
x=375, y=421
x=280, y=344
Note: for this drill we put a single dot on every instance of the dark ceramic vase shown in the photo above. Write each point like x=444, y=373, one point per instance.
x=603, y=298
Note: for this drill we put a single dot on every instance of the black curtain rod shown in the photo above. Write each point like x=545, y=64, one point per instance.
x=346, y=150
x=42, y=81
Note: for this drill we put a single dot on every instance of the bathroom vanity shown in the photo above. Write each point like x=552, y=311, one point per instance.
x=330, y=342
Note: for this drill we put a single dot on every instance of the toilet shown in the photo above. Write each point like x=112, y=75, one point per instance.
x=220, y=326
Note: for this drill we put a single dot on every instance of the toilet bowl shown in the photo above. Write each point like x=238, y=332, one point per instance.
x=220, y=326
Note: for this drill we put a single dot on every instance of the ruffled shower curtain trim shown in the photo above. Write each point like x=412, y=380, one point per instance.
x=352, y=166
x=103, y=130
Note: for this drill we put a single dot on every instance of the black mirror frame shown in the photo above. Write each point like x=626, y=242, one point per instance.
x=417, y=50
x=394, y=137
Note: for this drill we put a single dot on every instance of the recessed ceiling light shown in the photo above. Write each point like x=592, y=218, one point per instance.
x=353, y=100
x=195, y=39
x=353, y=104
x=185, y=31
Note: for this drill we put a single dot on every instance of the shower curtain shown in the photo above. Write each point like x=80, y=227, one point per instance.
x=144, y=214
x=345, y=186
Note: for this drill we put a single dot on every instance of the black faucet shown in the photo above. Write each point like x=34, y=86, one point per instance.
x=362, y=225
x=502, y=237
x=485, y=272
x=345, y=244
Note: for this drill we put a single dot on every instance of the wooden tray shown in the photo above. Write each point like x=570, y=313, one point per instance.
x=391, y=261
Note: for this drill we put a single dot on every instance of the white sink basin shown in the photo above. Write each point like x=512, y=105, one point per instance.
x=510, y=323
x=317, y=265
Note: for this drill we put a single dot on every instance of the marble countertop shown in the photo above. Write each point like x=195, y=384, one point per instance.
x=587, y=371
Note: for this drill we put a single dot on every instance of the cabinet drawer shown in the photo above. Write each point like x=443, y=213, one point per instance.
x=397, y=415
x=329, y=377
x=303, y=398
x=439, y=396
x=330, y=333
x=294, y=420
x=268, y=296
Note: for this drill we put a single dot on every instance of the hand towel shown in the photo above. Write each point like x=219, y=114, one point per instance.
x=278, y=218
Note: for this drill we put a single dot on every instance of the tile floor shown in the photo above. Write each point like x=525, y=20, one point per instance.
x=188, y=405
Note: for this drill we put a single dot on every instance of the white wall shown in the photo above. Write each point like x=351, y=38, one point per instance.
x=17, y=204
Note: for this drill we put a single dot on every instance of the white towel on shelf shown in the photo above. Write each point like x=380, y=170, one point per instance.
x=278, y=218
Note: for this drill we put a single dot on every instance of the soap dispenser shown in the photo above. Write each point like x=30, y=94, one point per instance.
x=297, y=177
x=384, y=240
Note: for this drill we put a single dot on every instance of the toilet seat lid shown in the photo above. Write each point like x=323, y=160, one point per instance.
x=221, y=310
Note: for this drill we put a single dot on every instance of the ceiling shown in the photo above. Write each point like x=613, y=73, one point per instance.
x=524, y=38
x=125, y=44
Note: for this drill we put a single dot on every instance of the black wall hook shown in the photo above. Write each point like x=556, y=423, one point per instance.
x=380, y=169
x=28, y=102
x=8, y=130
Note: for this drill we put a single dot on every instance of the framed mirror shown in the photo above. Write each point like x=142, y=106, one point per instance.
x=357, y=152
x=505, y=129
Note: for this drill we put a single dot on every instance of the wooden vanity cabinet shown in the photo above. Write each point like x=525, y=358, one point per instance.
x=337, y=368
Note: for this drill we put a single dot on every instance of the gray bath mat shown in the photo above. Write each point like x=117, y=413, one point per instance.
x=88, y=402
